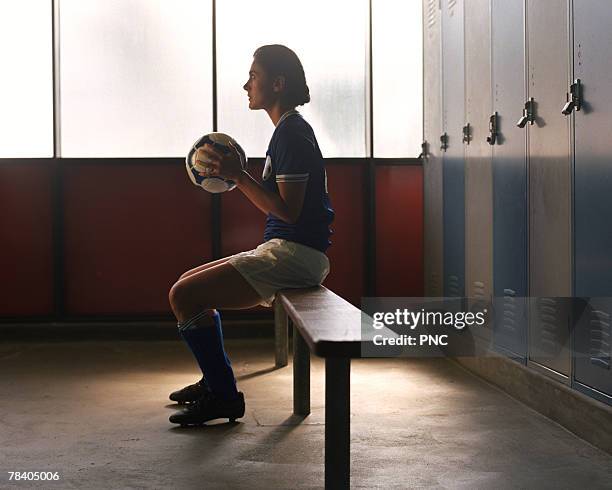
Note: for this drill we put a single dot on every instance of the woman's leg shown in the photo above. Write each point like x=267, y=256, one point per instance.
x=218, y=286
x=191, y=393
x=203, y=267
x=193, y=300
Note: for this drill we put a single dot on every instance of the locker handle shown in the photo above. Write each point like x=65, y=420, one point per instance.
x=528, y=114
x=444, y=141
x=575, y=101
x=467, y=133
x=492, y=138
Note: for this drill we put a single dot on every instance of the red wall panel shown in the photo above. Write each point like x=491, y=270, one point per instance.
x=399, y=230
x=130, y=231
x=346, y=254
x=26, y=240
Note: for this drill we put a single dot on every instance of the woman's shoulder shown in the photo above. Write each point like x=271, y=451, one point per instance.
x=295, y=129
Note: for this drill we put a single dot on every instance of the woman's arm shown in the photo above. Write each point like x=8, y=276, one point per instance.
x=286, y=206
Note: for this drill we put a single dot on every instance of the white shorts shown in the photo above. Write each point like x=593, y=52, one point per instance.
x=280, y=264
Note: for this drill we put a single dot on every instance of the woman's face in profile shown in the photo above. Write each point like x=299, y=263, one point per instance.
x=259, y=88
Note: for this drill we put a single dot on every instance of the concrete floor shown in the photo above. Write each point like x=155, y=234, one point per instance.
x=97, y=414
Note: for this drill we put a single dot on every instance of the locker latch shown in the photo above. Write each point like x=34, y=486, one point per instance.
x=576, y=98
x=492, y=138
x=444, y=141
x=467, y=133
x=528, y=114
x=424, y=150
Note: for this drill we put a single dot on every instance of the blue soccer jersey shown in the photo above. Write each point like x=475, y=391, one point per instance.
x=294, y=156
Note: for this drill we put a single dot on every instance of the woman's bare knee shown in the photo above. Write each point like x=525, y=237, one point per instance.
x=185, y=302
x=177, y=296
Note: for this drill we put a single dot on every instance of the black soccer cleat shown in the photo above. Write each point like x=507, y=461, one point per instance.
x=209, y=407
x=190, y=393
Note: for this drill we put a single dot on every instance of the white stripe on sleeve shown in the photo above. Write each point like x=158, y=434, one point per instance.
x=292, y=178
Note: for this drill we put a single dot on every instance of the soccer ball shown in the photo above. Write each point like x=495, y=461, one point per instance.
x=214, y=184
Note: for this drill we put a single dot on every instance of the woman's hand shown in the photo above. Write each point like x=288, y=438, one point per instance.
x=220, y=164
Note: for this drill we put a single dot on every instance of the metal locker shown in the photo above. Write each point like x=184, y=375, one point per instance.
x=549, y=183
x=592, y=108
x=432, y=155
x=452, y=146
x=509, y=167
x=592, y=353
x=478, y=176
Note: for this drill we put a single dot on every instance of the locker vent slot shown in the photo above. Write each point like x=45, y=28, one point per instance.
x=478, y=303
x=478, y=290
x=509, y=312
x=453, y=286
x=431, y=13
x=549, y=326
x=599, y=350
x=451, y=6
x=435, y=282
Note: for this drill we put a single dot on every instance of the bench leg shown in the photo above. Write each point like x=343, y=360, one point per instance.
x=337, y=422
x=281, y=336
x=301, y=375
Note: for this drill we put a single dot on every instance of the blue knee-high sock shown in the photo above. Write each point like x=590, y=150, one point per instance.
x=196, y=353
x=206, y=343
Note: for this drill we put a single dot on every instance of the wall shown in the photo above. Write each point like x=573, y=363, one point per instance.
x=91, y=239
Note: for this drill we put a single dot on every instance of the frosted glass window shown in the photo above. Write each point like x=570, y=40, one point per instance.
x=329, y=37
x=26, y=84
x=136, y=76
x=397, y=77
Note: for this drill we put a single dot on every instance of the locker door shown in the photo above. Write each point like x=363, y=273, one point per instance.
x=593, y=194
x=509, y=178
x=549, y=187
x=453, y=161
x=478, y=176
x=432, y=164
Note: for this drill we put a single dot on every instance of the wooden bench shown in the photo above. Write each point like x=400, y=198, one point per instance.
x=329, y=327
